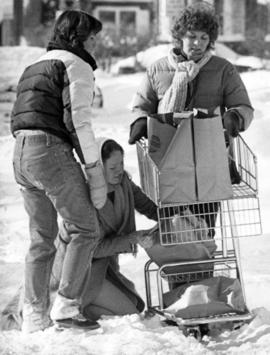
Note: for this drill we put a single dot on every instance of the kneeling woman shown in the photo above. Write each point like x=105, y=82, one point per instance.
x=109, y=292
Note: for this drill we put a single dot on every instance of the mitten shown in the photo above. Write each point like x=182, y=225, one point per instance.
x=145, y=241
x=232, y=123
x=147, y=238
x=97, y=184
x=138, y=129
x=142, y=237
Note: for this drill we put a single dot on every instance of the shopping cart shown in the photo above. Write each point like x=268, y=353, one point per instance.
x=222, y=220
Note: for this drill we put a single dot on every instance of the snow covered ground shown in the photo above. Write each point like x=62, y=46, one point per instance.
x=133, y=335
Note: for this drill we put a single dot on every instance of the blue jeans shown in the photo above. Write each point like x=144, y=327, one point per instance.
x=52, y=182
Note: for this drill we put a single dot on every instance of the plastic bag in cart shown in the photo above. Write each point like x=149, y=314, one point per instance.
x=208, y=297
x=197, y=249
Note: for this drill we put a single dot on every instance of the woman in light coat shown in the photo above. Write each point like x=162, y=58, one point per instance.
x=191, y=77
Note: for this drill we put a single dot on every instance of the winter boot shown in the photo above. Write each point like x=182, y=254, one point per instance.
x=65, y=313
x=34, y=319
x=64, y=308
x=79, y=322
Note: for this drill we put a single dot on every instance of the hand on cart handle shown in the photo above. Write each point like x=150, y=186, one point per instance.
x=138, y=130
x=232, y=122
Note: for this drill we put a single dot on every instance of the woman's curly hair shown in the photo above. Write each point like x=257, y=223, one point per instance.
x=197, y=17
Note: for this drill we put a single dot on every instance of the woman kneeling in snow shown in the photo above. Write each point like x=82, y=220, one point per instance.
x=109, y=292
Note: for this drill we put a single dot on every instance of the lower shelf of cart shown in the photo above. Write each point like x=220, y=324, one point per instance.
x=227, y=317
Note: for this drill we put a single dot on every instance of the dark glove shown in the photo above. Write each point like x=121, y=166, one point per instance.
x=138, y=129
x=232, y=123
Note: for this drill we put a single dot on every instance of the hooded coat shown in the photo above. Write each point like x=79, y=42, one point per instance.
x=118, y=240
x=115, y=239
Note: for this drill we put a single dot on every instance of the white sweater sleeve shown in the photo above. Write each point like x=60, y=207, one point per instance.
x=81, y=90
x=78, y=93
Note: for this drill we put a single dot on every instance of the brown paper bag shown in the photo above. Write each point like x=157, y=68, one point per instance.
x=160, y=136
x=211, y=159
x=192, y=160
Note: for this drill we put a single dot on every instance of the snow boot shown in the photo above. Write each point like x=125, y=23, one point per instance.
x=34, y=319
x=64, y=308
x=66, y=314
x=79, y=322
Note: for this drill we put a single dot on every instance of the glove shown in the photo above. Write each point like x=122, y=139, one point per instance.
x=138, y=129
x=142, y=237
x=97, y=184
x=232, y=123
x=147, y=238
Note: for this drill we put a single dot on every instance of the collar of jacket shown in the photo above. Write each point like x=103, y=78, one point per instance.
x=80, y=52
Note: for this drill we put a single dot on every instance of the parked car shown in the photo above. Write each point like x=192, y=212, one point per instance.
x=242, y=63
x=127, y=65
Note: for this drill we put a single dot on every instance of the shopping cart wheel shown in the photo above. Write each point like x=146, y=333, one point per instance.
x=193, y=331
x=149, y=313
x=204, y=329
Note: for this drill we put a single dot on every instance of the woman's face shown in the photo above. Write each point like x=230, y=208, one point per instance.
x=194, y=44
x=90, y=43
x=114, y=168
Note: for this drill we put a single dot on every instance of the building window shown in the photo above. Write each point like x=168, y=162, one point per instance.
x=128, y=23
x=219, y=6
x=107, y=17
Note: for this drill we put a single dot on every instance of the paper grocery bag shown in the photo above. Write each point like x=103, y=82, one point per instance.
x=211, y=159
x=176, y=166
x=159, y=137
x=161, y=130
x=191, y=159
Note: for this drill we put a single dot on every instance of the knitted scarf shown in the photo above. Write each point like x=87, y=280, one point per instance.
x=175, y=97
x=119, y=205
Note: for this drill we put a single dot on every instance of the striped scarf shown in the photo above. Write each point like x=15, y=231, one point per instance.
x=175, y=97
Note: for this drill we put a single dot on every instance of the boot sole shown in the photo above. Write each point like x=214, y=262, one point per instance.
x=74, y=323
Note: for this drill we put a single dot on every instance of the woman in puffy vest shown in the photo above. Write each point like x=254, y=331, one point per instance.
x=51, y=117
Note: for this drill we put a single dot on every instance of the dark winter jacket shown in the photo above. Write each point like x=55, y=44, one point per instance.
x=217, y=85
x=55, y=95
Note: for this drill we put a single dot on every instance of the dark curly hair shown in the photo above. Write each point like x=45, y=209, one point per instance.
x=74, y=27
x=198, y=17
